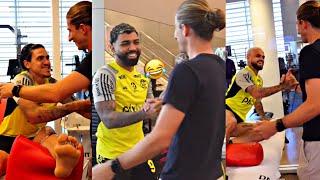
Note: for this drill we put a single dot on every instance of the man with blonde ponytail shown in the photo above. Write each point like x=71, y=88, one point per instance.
x=192, y=120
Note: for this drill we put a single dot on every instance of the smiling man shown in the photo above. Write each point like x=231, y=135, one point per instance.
x=246, y=90
x=28, y=118
x=119, y=93
x=79, y=20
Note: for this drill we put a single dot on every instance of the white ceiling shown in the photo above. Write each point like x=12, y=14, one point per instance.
x=158, y=10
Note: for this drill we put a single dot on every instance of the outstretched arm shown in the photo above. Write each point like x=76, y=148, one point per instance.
x=160, y=138
x=287, y=82
x=259, y=93
x=112, y=119
x=304, y=113
x=308, y=109
x=38, y=114
x=56, y=92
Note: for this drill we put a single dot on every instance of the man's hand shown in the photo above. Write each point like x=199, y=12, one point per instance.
x=152, y=108
x=6, y=90
x=289, y=80
x=266, y=129
x=102, y=171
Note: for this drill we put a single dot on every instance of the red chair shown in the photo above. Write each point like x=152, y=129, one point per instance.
x=30, y=160
x=244, y=154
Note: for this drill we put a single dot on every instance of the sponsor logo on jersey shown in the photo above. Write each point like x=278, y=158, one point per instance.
x=247, y=77
x=134, y=86
x=131, y=108
x=122, y=76
x=263, y=177
x=143, y=84
x=247, y=100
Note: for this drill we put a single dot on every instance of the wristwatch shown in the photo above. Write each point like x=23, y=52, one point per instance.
x=279, y=125
x=16, y=90
x=116, y=166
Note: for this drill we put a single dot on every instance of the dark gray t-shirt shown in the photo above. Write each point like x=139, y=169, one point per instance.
x=309, y=62
x=85, y=69
x=197, y=88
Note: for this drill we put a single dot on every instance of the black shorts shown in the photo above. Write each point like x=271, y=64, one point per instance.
x=238, y=118
x=144, y=171
x=6, y=143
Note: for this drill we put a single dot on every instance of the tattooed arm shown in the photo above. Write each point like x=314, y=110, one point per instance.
x=260, y=93
x=112, y=119
x=38, y=114
x=287, y=81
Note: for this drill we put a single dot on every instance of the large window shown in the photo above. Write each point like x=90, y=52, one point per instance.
x=34, y=20
x=278, y=28
x=239, y=31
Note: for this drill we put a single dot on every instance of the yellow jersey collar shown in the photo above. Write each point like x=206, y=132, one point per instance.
x=115, y=65
x=251, y=70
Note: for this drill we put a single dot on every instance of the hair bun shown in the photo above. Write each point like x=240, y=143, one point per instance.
x=216, y=19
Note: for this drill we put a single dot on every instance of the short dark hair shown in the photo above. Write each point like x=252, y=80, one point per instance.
x=80, y=13
x=26, y=53
x=203, y=20
x=310, y=11
x=120, y=29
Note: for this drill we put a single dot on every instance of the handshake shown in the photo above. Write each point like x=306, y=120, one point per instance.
x=288, y=81
x=152, y=108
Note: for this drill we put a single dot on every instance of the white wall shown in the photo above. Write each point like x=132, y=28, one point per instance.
x=154, y=17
